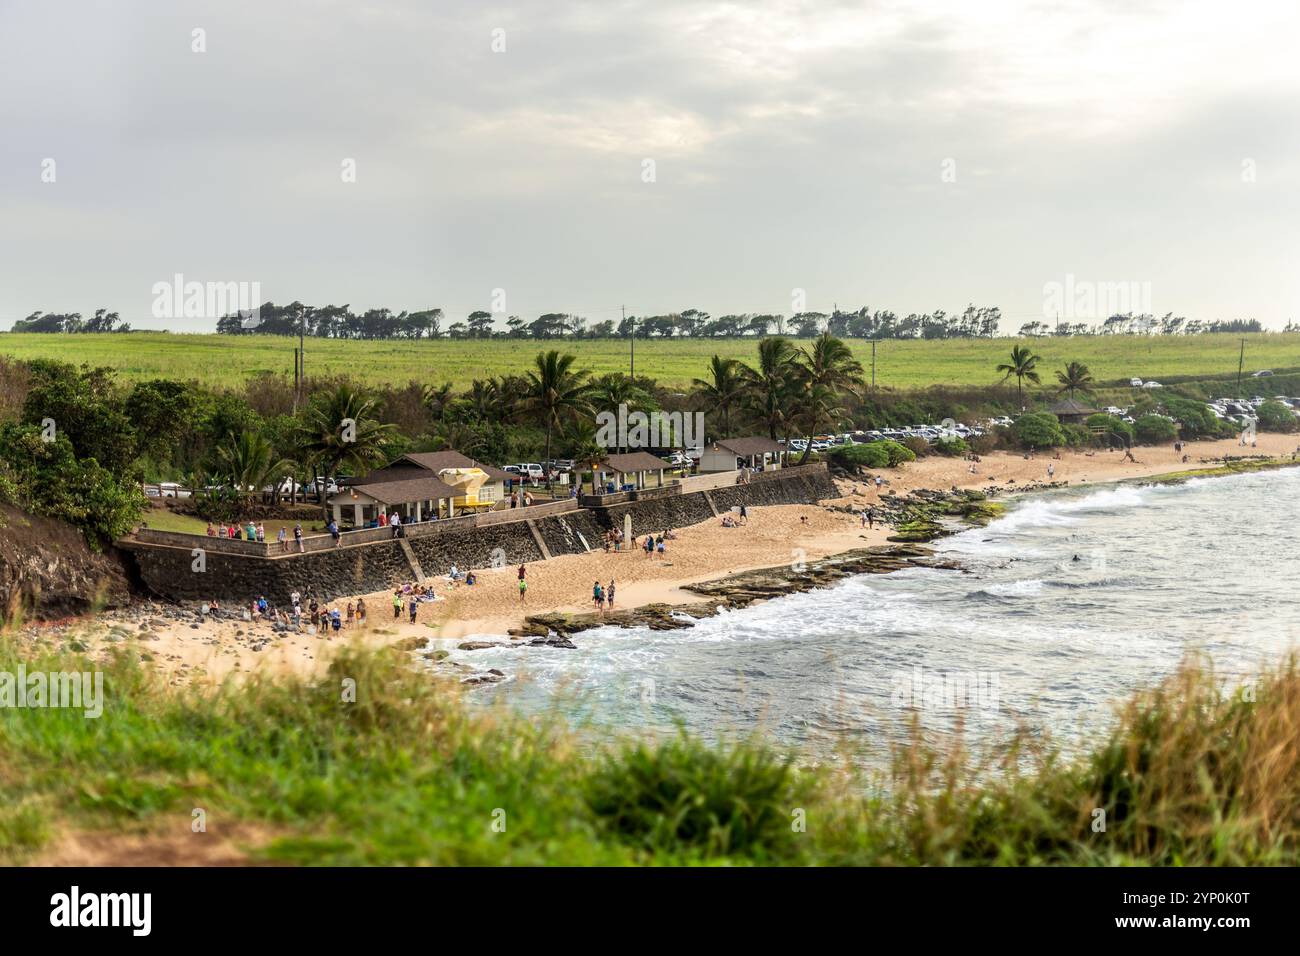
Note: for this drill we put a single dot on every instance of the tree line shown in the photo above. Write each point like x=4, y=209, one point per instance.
x=341, y=322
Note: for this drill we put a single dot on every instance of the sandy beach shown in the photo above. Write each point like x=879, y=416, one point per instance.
x=773, y=536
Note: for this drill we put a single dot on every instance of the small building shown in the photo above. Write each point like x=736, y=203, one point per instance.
x=731, y=454
x=1069, y=411
x=631, y=471
x=415, y=499
x=363, y=499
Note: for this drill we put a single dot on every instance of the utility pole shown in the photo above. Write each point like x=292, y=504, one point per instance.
x=1241, y=359
x=873, y=364
x=632, y=375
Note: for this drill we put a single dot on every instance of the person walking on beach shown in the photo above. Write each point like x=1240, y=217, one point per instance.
x=598, y=597
x=609, y=594
x=352, y=614
x=523, y=589
x=415, y=608
x=659, y=546
x=361, y=610
x=649, y=545
x=744, y=514
x=397, y=604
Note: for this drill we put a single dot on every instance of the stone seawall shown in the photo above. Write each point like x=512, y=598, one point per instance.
x=806, y=486
x=169, y=571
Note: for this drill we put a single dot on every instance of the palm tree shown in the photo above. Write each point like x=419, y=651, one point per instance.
x=768, y=387
x=614, y=389
x=1022, y=366
x=555, y=394
x=826, y=373
x=722, y=390
x=436, y=398
x=1075, y=376
x=248, y=461
x=339, y=429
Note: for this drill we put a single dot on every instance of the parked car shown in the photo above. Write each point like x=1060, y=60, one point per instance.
x=1135, y=382
x=1262, y=373
x=1152, y=385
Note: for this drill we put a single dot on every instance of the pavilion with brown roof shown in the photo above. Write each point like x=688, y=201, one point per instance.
x=415, y=499
x=1070, y=411
x=633, y=470
x=730, y=454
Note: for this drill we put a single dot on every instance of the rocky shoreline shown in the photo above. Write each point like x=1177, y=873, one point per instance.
x=727, y=593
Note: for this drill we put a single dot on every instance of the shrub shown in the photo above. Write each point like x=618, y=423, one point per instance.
x=871, y=455
x=898, y=454
x=1039, y=430
x=687, y=794
x=951, y=446
x=1195, y=419
x=1276, y=417
x=919, y=447
x=1154, y=430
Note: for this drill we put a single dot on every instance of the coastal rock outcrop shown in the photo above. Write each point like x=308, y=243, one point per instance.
x=47, y=570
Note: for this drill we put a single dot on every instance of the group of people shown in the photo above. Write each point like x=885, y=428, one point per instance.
x=256, y=531
x=656, y=545
x=736, y=519
x=603, y=597
x=410, y=597
x=321, y=619
x=613, y=540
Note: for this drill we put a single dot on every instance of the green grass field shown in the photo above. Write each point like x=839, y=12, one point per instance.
x=218, y=359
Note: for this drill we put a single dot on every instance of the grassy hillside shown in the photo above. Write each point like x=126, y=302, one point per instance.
x=410, y=774
x=215, y=359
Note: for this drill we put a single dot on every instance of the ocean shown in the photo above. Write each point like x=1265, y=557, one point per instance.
x=1070, y=602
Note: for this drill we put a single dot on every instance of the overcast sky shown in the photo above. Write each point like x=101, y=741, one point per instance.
x=909, y=156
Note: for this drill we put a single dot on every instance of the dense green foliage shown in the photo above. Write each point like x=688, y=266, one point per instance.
x=1276, y=417
x=1154, y=430
x=1039, y=430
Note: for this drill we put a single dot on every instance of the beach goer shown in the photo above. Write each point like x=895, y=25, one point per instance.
x=221, y=532
x=414, y=608
x=395, y=522
x=744, y=514
x=659, y=546
x=261, y=532
x=334, y=532
x=361, y=610
x=598, y=597
x=609, y=594
x=212, y=532
x=522, y=572
x=352, y=613
x=336, y=620
x=523, y=589
x=397, y=604
x=383, y=520
x=1051, y=470
x=297, y=536
x=649, y=545
x=470, y=579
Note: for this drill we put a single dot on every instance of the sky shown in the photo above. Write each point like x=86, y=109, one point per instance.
x=763, y=156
